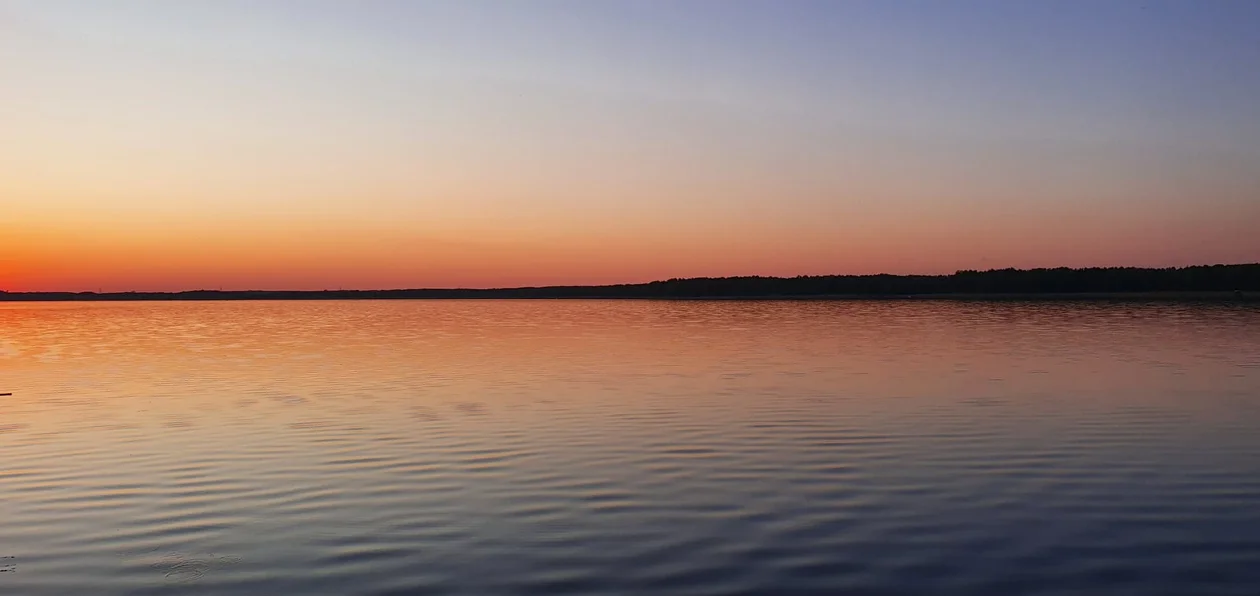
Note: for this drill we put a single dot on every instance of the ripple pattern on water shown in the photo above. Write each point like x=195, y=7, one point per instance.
x=590, y=447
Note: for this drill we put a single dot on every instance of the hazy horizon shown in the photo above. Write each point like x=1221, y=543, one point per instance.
x=156, y=146
x=600, y=284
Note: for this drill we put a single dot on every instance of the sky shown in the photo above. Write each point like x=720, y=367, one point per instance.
x=268, y=144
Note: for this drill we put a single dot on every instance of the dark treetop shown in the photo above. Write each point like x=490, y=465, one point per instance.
x=1199, y=282
x=1215, y=281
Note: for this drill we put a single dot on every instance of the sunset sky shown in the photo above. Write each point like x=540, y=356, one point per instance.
x=263, y=144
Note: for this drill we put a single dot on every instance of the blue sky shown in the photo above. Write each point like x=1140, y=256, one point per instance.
x=966, y=130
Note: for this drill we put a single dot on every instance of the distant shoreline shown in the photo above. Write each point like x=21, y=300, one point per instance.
x=1221, y=283
x=1012, y=297
x=370, y=295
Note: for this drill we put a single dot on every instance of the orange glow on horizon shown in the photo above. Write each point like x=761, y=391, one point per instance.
x=166, y=256
x=200, y=145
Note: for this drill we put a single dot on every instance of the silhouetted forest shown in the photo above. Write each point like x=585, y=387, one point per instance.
x=1204, y=282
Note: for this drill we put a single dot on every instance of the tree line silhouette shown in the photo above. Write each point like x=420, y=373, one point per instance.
x=1205, y=281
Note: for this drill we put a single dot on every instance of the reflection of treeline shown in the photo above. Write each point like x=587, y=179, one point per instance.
x=1188, y=281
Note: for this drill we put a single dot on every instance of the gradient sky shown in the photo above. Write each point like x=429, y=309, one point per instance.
x=320, y=144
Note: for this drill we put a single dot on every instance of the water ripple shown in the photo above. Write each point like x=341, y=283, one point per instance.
x=629, y=447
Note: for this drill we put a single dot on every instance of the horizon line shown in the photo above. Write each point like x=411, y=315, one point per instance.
x=902, y=276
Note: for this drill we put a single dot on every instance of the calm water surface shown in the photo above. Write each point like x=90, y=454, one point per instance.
x=521, y=447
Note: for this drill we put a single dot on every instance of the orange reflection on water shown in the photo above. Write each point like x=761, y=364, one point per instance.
x=147, y=440
x=165, y=365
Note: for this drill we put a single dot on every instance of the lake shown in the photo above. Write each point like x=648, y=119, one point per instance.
x=630, y=447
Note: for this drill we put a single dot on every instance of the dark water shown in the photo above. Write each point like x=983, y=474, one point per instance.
x=629, y=448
